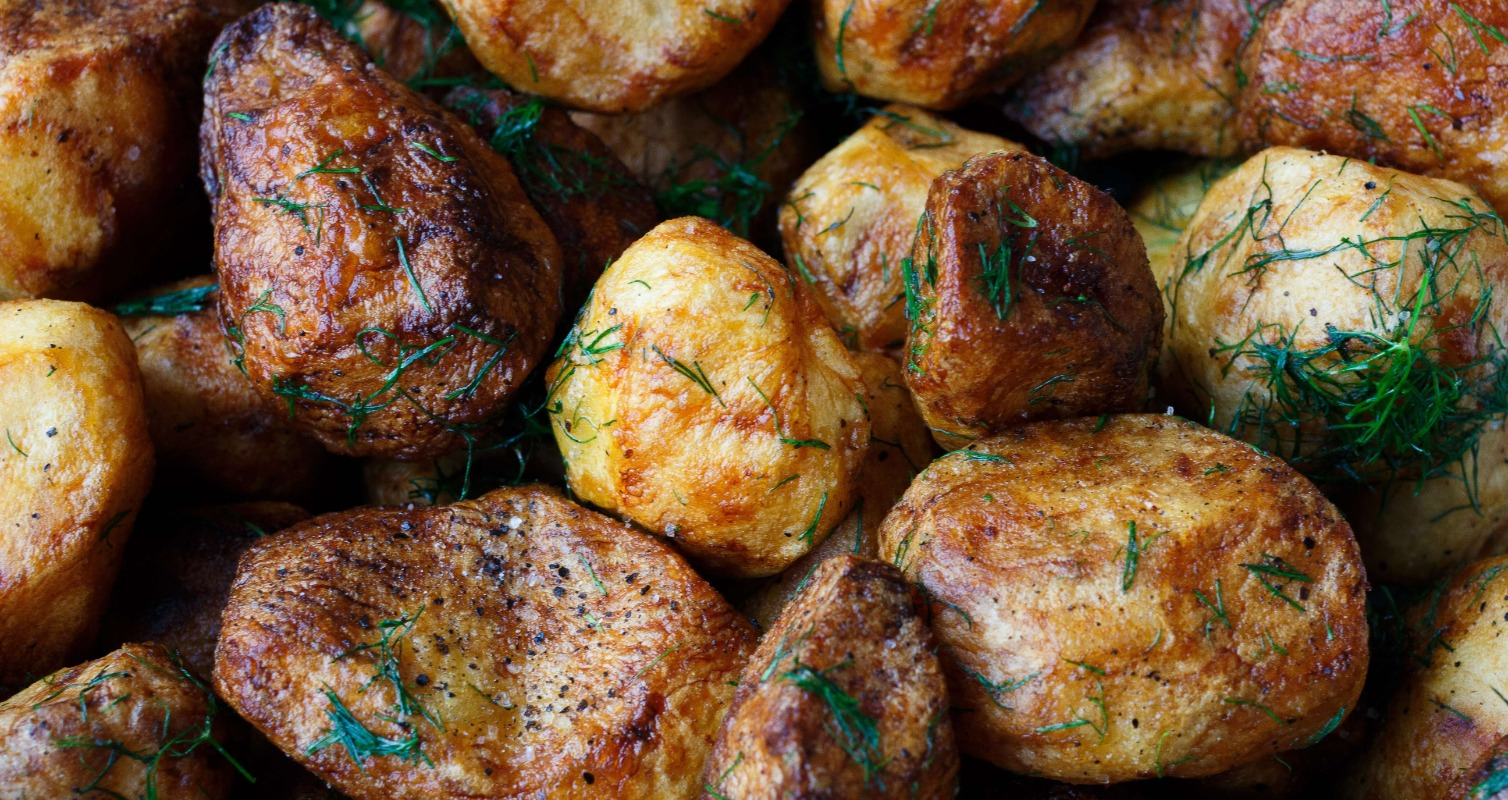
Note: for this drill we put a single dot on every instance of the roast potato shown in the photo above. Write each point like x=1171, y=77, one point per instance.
x=850, y=220
x=1132, y=597
x=75, y=465
x=843, y=698
x=518, y=643
x=381, y=272
x=613, y=57
x=1029, y=298
x=1163, y=208
x=412, y=40
x=703, y=396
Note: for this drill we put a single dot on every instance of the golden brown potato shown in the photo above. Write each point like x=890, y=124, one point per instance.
x=850, y=220
x=939, y=54
x=132, y=724
x=100, y=99
x=74, y=468
x=703, y=396
x=613, y=57
x=1164, y=208
x=1146, y=74
x=1412, y=84
x=519, y=643
x=1340, y=315
x=1133, y=597
x=1029, y=298
x=843, y=698
x=381, y=272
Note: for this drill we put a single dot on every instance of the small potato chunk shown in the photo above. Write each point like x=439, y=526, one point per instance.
x=75, y=465
x=519, y=643
x=843, y=698
x=134, y=723
x=939, y=54
x=703, y=396
x=616, y=57
x=1029, y=298
x=851, y=219
x=1067, y=561
x=381, y=272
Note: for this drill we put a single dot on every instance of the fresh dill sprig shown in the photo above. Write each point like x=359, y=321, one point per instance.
x=779, y=429
x=693, y=373
x=183, y=301
x=1274, y=568
x=853, y=729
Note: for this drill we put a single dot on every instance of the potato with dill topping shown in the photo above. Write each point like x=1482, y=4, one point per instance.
x=1029, y=298
x=518, y=643
x=850, y=220
x=703, y=396
x=1133, y=597
x=74, y=467
x=381, y=272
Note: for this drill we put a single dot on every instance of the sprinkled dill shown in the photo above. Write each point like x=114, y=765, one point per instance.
x=993, y=689
x=1328, y=728
x=1218, y=607
x=183, y=301
x=1278, y=569
x=658, y=659
x=13, y=444
x=854, y=730
x=810, y=533
x=838, y=48
x=779, y=431
x=1133, y=557
x=430, y=151
x=721, y=17
x=413, y=280
x=240, y=116
x=693, y=373
x=1235, y=701
x=591, y=573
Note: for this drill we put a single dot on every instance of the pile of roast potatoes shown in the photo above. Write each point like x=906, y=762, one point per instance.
x=744, y=399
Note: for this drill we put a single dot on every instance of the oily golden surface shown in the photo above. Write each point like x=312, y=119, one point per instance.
x=1145, y=75
x=843, y=698
x=75, y=728
x=939, y=54
x=1033, y=300
x=380, y=269
x=74, y=467
x=98, y=99
x=1078, y=641
x=850, y=219
x=613, y=57
x=1414, y=84
x=563, y=653
x=703, y=396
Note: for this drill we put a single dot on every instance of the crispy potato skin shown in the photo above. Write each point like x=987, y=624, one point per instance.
x=1145, y=75
x=1021, y=545
x=851, y=218
x=99, y=100
x=452, y=261
x=76, y=464
x=656, y=402
x=535, y=698
x=939, y=54
x=137, y=697
x=858, y=625
x=1324, y=76
x=613, y=57
x=1075, y=321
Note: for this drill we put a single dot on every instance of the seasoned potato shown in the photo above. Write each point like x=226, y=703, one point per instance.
x=100, y=98
x=1412, y=84
x=613, y=57
x=412, y=41
x=1340, y=315
x=1069, y=561
x=381, y=271
x=76, y=463
x=939, y=54
x=843, y=698
x=1164, y=208
x=1029, y=298
x=520, y=644
x=703, y=396
x=132, y=724
x=1146, y=74
x=850, y=220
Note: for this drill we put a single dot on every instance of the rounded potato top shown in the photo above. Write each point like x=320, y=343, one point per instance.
x=703, y=395
x=1133, y=596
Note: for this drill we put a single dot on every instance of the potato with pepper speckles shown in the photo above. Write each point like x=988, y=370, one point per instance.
x=1132, y=597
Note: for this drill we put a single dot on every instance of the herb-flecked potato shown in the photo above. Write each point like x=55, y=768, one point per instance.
x=939, y=53
x=703, y=396
x=381, y=271
x=843, y=698
x=134, y=723
x=1029, y=297
x=412, y=40
x=519, y=643
x=850, y=219
x=1131, y=597
x=613, y=57
x=75, y=465
x=1165, y=206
